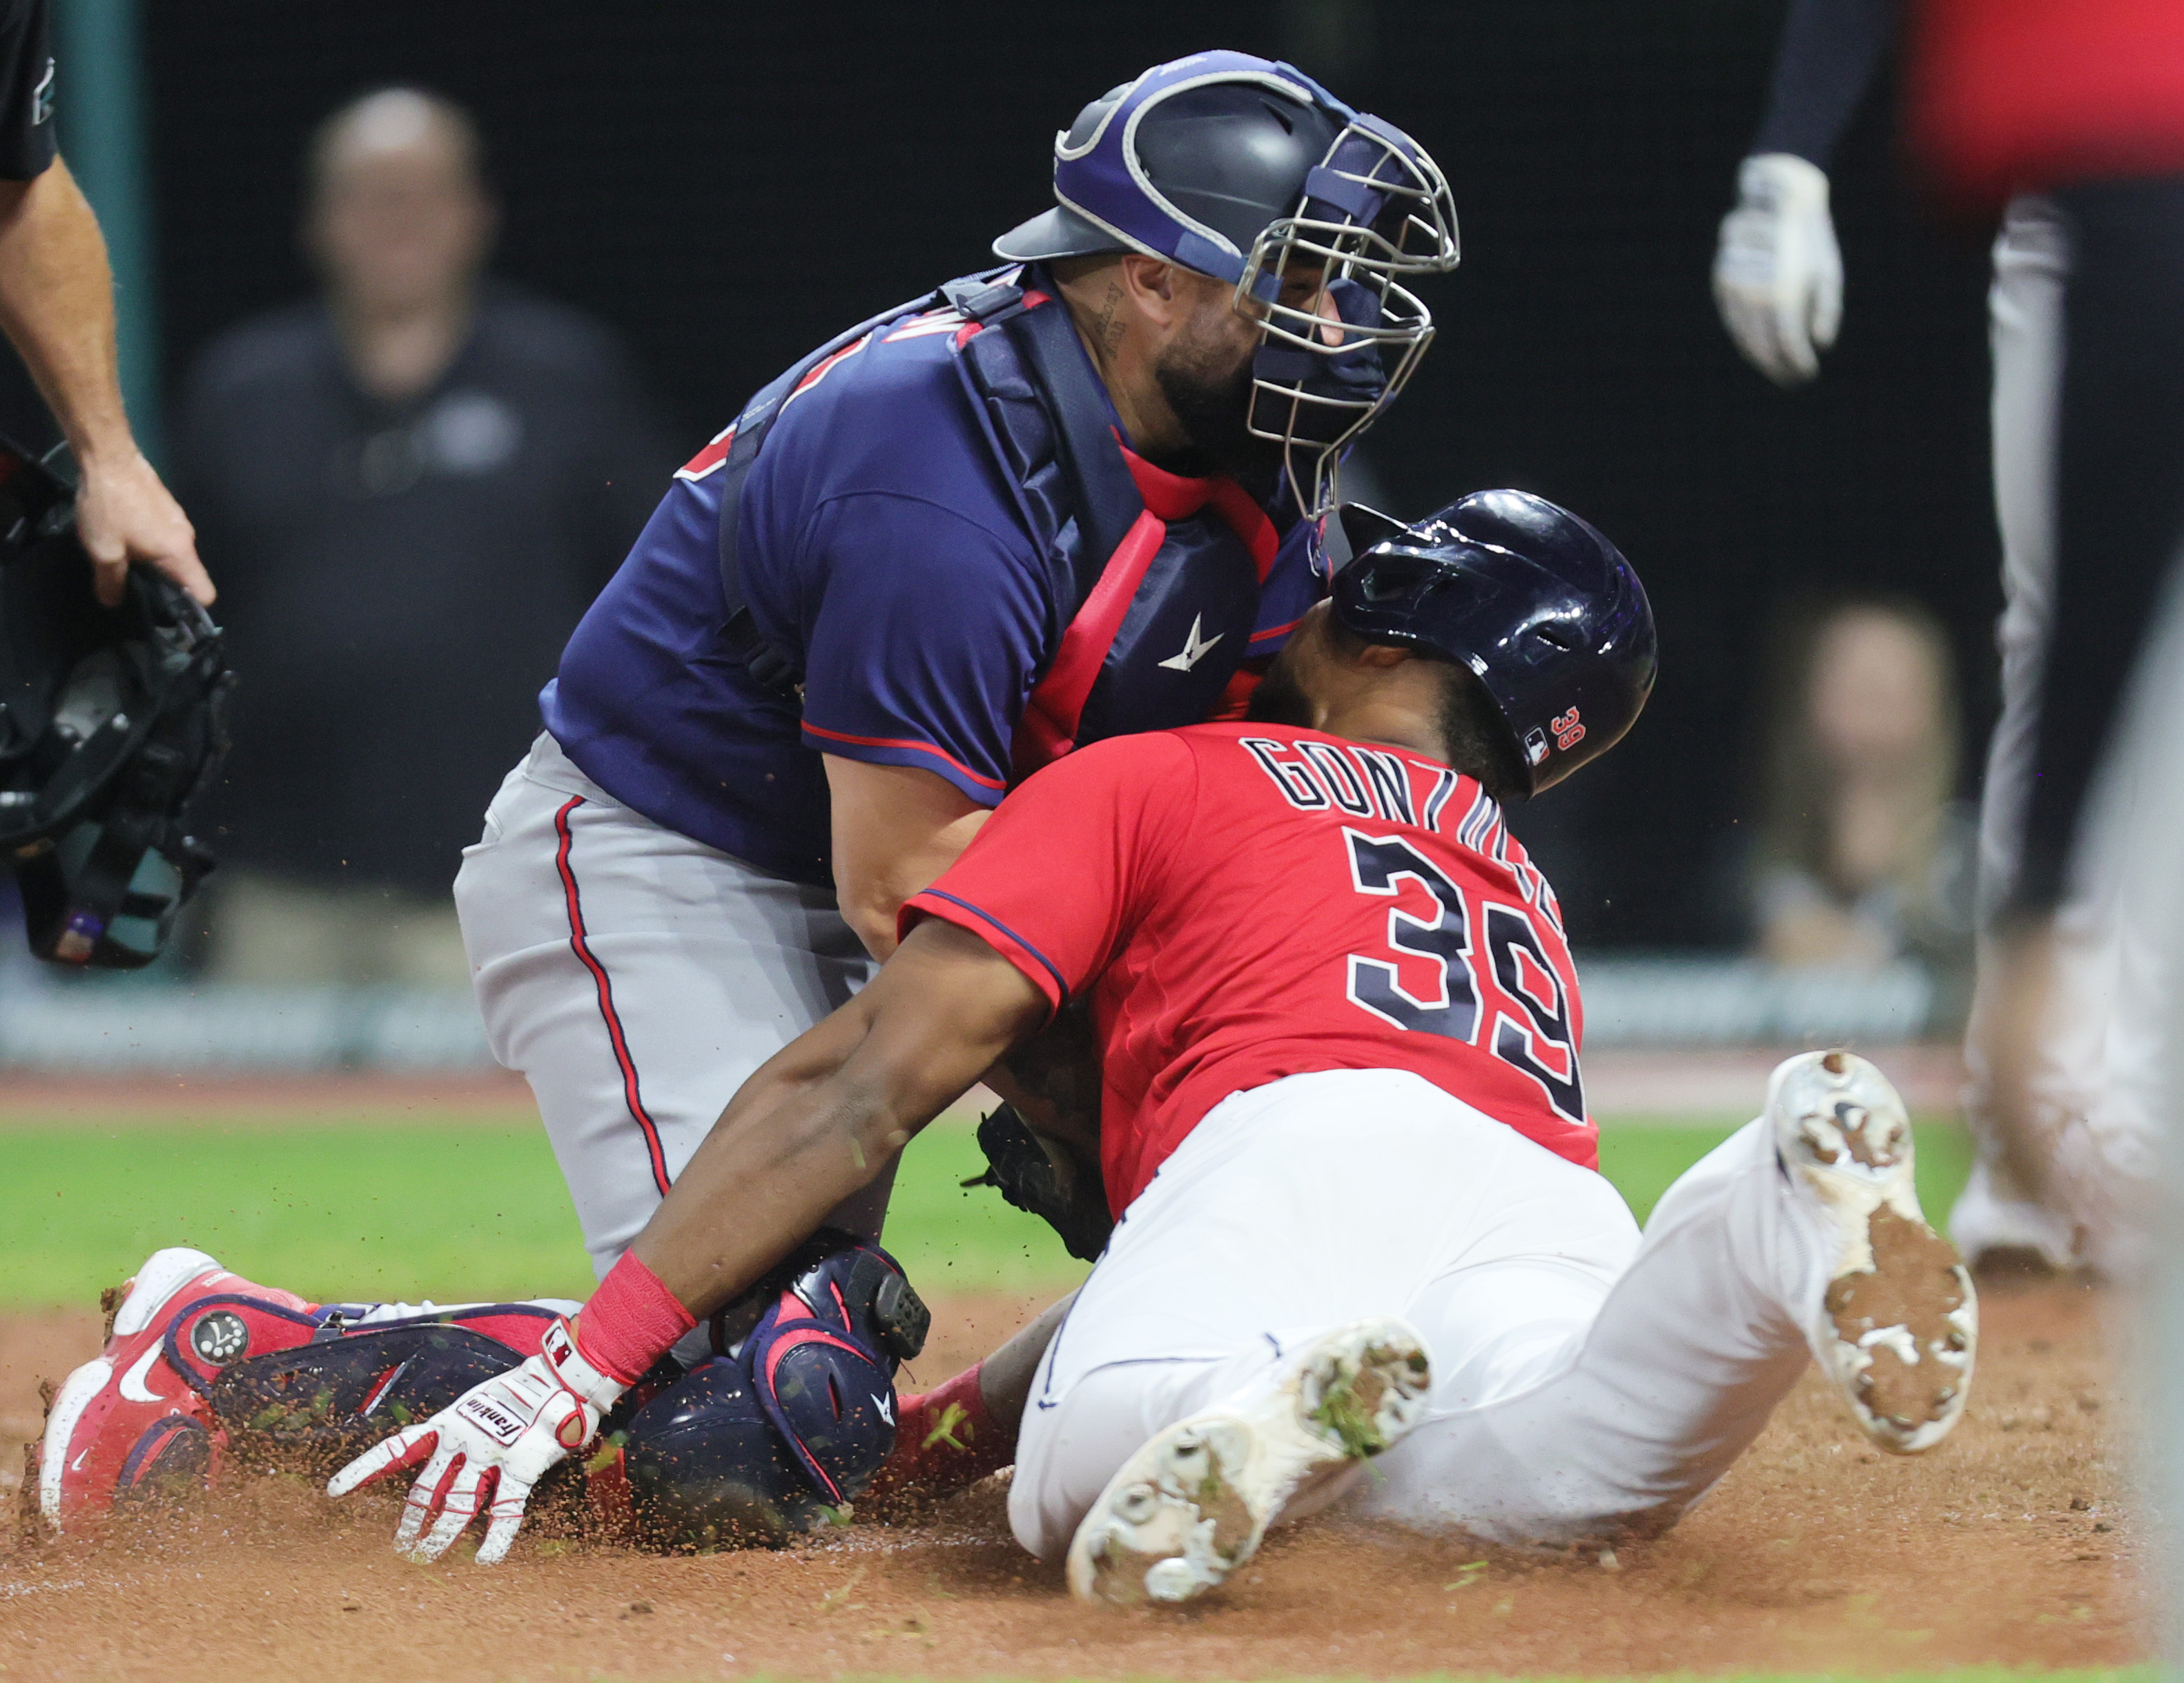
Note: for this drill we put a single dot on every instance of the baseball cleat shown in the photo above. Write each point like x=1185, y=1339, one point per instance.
x=1898, y=1325
x=131, y=1427
x=1191, y=1505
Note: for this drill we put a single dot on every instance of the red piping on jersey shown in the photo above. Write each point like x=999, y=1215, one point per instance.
x=994, y=783
x=819, y=371
x=715, y=452
x=1277, y=630
x=580, y=944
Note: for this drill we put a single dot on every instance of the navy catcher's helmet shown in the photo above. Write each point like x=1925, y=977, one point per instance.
x=111, y=722
x=1534, y=600
x=1241, y=167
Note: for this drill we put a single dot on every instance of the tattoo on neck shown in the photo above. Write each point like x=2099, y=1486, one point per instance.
x=1109, y=333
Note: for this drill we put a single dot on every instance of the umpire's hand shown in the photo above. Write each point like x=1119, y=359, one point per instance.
x=488, y=1448
x=124, y=514
x=1777, y=273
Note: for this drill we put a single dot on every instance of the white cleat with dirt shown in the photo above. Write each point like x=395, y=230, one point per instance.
x=1192, y=1505
x=1898, y=1325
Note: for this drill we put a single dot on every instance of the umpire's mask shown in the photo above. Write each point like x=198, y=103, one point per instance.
x=111, y=722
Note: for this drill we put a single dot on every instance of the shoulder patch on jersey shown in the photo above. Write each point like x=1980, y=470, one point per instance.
x=707, y=459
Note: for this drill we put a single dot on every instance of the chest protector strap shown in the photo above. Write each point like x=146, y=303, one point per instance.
x=768, y=665
x=1122, y=504
x=1051, y=714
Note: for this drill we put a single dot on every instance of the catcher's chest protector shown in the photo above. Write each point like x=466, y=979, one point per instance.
x=1154, y=578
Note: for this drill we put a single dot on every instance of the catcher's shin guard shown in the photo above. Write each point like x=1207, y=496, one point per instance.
x=313, y=1406
x=780, y=1431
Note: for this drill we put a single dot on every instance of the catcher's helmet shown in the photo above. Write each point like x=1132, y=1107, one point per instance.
x=1531, y=598
x=111, y=720
x=1241, y=167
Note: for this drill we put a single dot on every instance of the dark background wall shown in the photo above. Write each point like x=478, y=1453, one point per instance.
x=731, y=183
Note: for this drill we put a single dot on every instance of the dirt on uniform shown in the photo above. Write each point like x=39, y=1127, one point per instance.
x=2011, y=1544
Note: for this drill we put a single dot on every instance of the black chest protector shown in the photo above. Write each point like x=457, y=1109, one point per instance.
x=1154, y=579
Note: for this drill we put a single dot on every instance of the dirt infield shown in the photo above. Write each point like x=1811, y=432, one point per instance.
x=2007, y=1545
x=1627, y=1083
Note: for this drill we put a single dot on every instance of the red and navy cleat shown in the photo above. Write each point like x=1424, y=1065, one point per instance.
x=132, y=1427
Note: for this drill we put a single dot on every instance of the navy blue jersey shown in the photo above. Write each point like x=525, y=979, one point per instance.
x=884, y=547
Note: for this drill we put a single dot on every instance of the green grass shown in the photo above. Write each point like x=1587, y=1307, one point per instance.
x=376, y=1211
x=350, y=1209
x=1642, y=1160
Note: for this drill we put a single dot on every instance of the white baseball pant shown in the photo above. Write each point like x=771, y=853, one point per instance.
x=1586, y=1381
x=2099, y=1081
x=637, y=979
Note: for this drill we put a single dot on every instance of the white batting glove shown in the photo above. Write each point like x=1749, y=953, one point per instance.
x=488, y=1448
x=1777, y=273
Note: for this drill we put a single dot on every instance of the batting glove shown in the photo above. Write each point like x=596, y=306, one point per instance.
x=1777, y=273
x=488, y=1448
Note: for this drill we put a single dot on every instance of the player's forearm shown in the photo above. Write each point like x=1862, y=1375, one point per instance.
x=825, y=1116
x=56, y=308
x=762, y=1184
x=1831, y=50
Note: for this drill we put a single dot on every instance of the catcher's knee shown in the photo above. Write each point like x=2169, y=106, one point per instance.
x=784, y=1429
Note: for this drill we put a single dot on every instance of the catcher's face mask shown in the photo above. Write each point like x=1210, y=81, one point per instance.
x=112, y=719
x=1248, y=170
x=1375, y=213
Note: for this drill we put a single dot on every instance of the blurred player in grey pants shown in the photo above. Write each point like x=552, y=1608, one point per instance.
x=2076, y=119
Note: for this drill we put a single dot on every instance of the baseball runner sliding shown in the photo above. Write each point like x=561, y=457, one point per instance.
x=1343, y=1132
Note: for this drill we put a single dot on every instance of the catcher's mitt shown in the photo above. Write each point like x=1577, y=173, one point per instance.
x=1043, y=1177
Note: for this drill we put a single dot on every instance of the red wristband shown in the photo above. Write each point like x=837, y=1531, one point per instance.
x=631, y=1321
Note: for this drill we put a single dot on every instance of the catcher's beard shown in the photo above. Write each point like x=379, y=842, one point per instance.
x=1214, y=406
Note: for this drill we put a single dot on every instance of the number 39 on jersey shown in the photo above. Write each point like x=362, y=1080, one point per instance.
x=1471, y=965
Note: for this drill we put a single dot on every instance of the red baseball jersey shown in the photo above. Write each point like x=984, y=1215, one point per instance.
x=1248, y=901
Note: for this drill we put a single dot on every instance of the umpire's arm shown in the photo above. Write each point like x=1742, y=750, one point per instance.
x=826, y=1114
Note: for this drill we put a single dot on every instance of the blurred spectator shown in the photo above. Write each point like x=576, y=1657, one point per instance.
x=414, y=486
x=1863, y=858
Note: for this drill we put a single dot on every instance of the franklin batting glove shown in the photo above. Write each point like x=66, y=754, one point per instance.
x=1777, y=273
x=488, y=1448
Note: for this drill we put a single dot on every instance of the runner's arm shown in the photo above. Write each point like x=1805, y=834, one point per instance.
x=824, y=1115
